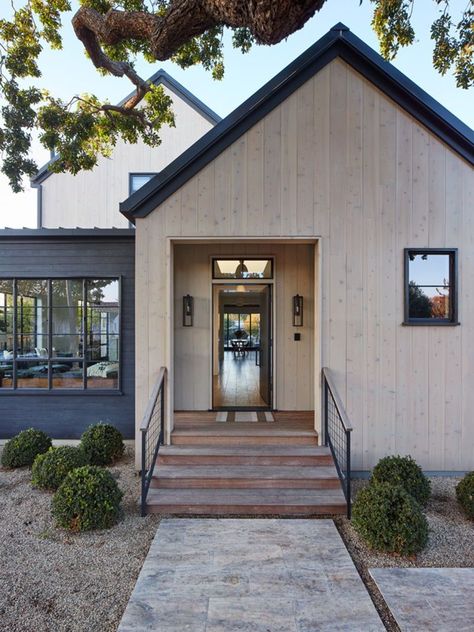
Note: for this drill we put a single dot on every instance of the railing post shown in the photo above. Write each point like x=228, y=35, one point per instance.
x=348, y=475
x=326, y=411
x=143, y=472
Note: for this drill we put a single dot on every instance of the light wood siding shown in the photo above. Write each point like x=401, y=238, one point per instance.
x=92, y=198
x=294, y=371
x=341, y=161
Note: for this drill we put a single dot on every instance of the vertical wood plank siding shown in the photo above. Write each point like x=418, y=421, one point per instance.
x=92, y=198
x=66, y=416
x=340, y=161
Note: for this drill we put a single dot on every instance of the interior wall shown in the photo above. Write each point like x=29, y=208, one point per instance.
x=294, y=361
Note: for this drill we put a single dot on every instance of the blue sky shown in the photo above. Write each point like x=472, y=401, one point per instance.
x=69, y=72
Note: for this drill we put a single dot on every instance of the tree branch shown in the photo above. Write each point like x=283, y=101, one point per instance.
x=268, y=21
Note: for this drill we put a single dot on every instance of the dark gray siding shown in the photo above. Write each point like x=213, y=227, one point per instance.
x=65, y=416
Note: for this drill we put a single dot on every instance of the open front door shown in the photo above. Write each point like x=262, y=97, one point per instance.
x=265, y=355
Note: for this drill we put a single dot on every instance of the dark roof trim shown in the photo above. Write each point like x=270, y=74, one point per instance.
x=19, y=234
x=339, y=42
x=161, y=77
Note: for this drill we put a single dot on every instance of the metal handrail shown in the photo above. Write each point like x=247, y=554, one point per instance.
x=337, y=433
x=152, y=431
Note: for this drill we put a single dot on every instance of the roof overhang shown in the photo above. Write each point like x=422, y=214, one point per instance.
x=339, y=42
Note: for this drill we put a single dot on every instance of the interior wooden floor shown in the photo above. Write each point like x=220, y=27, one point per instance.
x=238, y=382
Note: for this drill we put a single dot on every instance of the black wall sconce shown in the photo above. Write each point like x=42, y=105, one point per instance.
x=188, y=311
x=297, y=311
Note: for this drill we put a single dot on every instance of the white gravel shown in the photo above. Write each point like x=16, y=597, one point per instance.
x=52, y=580
x=450, y=544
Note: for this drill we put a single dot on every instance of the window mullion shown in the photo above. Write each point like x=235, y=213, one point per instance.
x=14, y=325
x=84, y=334
x=50, y=334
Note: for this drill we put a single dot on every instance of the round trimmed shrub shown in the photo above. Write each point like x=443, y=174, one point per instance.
x=25, y=447
x=404, y=471
x=50, y=469
x=465, y=494
x=389, y=519
x=102, y=444
x=88, y=498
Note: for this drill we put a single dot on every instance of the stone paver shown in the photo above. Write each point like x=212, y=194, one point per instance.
x=429, y=599
x=231, y=575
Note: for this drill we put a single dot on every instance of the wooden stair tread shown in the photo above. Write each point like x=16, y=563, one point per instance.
x=246, y=501
x=245, y=429
x=246, y=471
x=231, y=450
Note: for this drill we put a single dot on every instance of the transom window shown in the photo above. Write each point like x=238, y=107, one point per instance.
x=137, y=180
x=242, y=268
x=430, y=286
x=59, y=334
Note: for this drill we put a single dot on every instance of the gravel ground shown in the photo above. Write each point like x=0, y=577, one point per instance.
x=82, y=582
x=51, y=580
x=450, y=542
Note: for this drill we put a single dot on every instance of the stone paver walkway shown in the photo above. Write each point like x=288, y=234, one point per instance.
x=429, y=599
x=205, y=575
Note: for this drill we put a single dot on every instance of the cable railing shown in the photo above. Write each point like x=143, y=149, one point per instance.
x=337, y=434
x=152, y=431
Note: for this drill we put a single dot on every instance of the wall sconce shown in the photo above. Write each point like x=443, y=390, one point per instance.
x=188, y=311
x=297, y=311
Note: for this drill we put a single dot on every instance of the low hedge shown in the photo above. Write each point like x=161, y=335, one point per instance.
x=403, y=471
x=21, y=450
x=102, y=444
x=465, y=494
x=389, y=519
x=88, y=498
x=50, y=469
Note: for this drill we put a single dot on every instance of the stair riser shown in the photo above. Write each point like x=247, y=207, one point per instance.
x=206, y=483
x=239, y=510
x=213, y=440
x=297, y=461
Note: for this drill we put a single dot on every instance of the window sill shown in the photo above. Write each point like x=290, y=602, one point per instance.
x=59, y=392
x=430, y=323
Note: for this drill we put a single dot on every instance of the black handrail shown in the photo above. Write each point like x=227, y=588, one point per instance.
x=337, y=434
x=152, y=431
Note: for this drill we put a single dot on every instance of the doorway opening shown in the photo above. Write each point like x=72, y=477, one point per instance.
x=242, y=347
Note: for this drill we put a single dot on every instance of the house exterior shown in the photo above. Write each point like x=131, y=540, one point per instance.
x=67, y=355
x=333, y=208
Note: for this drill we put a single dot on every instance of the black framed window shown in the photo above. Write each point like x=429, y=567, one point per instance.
x=61, y=333
x=137, y=180
x=431, y=286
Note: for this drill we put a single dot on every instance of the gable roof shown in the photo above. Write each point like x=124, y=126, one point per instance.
x=161, y=77
x=338, y=42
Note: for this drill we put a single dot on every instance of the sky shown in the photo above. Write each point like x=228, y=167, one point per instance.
x=69, y=72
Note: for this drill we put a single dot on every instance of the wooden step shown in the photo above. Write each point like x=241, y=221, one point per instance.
x=244, y=455
x=288, y=502
x=245, y=477
x=244, y=434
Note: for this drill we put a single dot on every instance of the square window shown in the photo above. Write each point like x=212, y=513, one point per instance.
x=430, y=286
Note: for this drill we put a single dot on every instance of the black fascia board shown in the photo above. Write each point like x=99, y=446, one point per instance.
x=160, y=77
x=339, y=42
x=18, y=234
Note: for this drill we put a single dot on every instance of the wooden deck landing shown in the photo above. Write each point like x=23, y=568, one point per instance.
x=250, y=468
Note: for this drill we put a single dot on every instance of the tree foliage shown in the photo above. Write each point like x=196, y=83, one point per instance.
x=189, y=32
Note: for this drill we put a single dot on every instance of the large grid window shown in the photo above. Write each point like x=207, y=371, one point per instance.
x=58, y=334
x=430, y=286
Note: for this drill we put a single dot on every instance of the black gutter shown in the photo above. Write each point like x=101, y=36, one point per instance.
x=339, y=42
x=66, y=233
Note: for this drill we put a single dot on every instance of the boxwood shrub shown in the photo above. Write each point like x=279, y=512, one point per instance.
x=50, y=469
x=88, y=498
x=465, y=494
x=102, y=444
x=22, y=449
x=404, y=471
x=389, y=519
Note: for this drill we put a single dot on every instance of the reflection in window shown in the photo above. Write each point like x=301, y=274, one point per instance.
x=137, y=180
x=59, y=333
x=430, y=290
x=242, y=269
